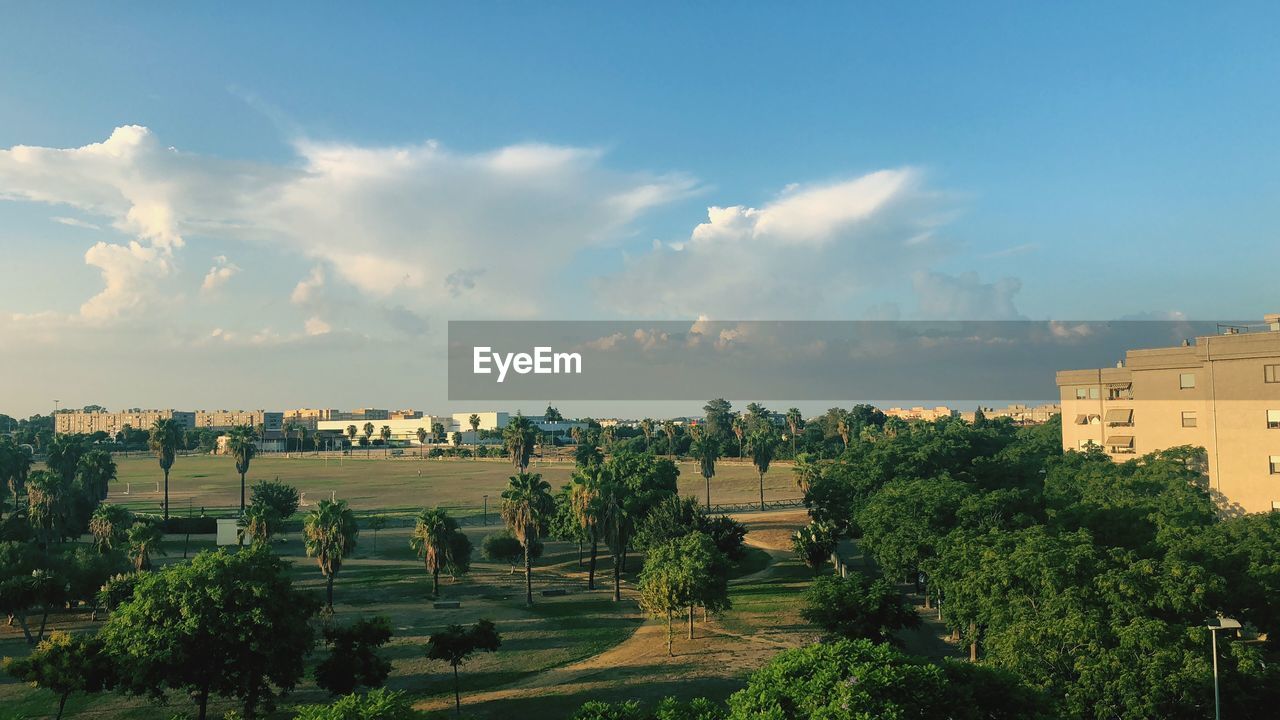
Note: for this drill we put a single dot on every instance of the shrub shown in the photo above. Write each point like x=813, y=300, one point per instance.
x=380, y=704
x=855, y=607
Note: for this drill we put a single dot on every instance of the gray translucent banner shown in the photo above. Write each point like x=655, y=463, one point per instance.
x=815, y=360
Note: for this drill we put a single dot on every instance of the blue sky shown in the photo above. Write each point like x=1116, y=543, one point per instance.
x=1090, y=160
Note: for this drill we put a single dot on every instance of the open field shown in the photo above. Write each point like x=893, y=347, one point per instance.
x=555, y=656
x=392, y=486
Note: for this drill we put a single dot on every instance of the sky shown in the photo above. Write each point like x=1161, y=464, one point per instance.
x=237, y=205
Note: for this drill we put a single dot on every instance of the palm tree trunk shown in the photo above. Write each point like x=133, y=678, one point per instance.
x=242, y=493
x=528, y=574
x=617, y=579
x=690, y=622
x=435, y=582
x=166, y=494
x=202, y=702
x=762, y=491
x=708, y=491
x=62, y=703
x=591, y=568
x=329, y=592
x=44, y=621
x=669, y=653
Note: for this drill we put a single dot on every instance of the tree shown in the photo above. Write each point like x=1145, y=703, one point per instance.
x=807, y=471
x=584, y=504
x=441, y=544
x=64, y=455
x=718, y=416
x=49, y=505
x=145, y=540
x=329, y=534
x=630, y=485
x=814, y=543
x=684, y=573
x=422, y=435
x=518, y=437
x=706, y=450
x=646, y=429
x=281, y=498
x=455, y=439
x=669, y=429
x=109, y=526
x=763, y=446
x=40, y=590
x=64, y=664
x=503, y=547
x=165, y=438
x=226, y=624
x=437, y=432
x=351, y=432
x=96, y=471
x=259, y=523
x=794, y=422
x=526, y=507
x=861, y=679
x=474, y=422
x=368, y=432
x=739, y=428
x=353, y=659
x=376, y=523
x=855, y=607
x=242, y=444
x=456, y=643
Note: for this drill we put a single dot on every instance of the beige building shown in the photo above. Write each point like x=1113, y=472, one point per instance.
x=403, y=430
x=272, y=422
x=70, y=423
x=920, y=413
x=1220, y=392
x=1020, y=414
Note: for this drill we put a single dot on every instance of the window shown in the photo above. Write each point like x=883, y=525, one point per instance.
x=1188, y=419
x=1275, y=464
x=1082, y=393
x=1271, y=373
x=1186, y=381
x=1273, y=419
x=1093, y=393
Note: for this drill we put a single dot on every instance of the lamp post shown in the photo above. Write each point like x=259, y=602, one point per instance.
x=1220, y=623
x=486, y=510
x=55, y=417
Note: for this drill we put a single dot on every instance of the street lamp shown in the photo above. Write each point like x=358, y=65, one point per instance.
x=55, y=417
x=1220, y=623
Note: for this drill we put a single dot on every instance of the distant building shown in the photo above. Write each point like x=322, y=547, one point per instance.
x=1020, y=414
x=224, y=420
x=70, y=423
x=404, y=431
x=1220, y=392
x=308, y=417
x=920, y=413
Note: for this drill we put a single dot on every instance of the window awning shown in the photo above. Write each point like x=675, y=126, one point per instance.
x=1120, y=441
x=1082, y=419
x=1121, y=385
x=1119, y=415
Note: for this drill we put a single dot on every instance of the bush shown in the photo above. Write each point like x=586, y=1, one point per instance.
x=380, y=704
x=503, y=547
x=353, y=658
x=175, y=525
x=668, y=709
x=280, y=497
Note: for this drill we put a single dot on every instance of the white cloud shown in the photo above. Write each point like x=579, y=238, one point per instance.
x=415, y=225
x=219, y=274
x=805, y=254
x=965, y=297
x=316, y=326
x=307, y=288
x=74, y=222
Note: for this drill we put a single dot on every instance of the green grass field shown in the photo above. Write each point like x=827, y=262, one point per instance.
x=391, y=486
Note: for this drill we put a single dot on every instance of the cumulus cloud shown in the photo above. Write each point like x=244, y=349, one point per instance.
x=308, y=288
x=219, y=274
x=804, y=254
x=404, y=225
x=316, y=326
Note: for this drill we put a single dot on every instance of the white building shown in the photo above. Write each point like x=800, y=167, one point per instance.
x=403, y=430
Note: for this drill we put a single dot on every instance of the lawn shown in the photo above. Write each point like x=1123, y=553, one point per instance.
x=391, y=486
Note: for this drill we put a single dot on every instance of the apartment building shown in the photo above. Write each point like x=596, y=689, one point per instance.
x=1219, y=392
x=403, y=430
x=920, y=413
x=308, y=417
x=224, y=420
x=1019, y=413
x=71, y=423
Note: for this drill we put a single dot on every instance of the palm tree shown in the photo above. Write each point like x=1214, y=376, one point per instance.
x=368, y=430
x=646, y=427
x=351, y=433
x=794, y=421
x=329, y=533
x=422, y=436
x=739, y=431
x=519, y=437
x=260, y=522
x=706, y=450
x=615, y=524
x=97, y=470
x=144, y=539
x=584, y=500
x=844, y=426
x=474, y=422
x=165, y=438
x=242, y=444
x=433, y=540
x=109, y=526
x=669, y=429
x=385, y=434
x=763, y=445
x=526, y=506
x=807, y=470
